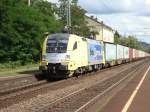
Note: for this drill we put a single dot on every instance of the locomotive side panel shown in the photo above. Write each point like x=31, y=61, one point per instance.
x=77, y=48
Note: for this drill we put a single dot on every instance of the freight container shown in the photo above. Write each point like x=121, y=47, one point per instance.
x=120, y=54
x=131, y=54
x=147, y=54
x=140, y=54
x=126, y=53
x=110, y=53
x=95, y=52
x=144, y=54
x=136, y=54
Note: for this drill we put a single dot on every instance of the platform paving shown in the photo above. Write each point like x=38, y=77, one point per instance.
x=135, y=97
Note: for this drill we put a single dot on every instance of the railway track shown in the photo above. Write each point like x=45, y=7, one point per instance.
x=21, y=93
x=82, y=99
x=20, y=88
x=18, y=81
x=9, y=86
x=26, y=93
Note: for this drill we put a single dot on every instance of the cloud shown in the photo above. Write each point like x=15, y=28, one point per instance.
x=146, y=20
x=116, y=6
x=53, y=1
x=144, y=13
x=137, y=7
x=129, y=17
x=147, y=2
x=106, y=6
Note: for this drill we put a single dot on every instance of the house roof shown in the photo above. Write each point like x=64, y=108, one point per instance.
x=101, y=23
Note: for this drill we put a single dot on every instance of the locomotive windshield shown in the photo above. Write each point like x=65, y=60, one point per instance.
x=57, y=43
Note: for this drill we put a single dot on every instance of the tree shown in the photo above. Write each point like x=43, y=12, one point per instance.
x=117, y=37
x=22, y=28
x=129, y=41
x=78, y=23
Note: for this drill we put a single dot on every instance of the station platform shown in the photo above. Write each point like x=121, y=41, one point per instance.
x=135, y=97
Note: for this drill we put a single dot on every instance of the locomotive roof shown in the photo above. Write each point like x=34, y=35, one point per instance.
x=59, y=36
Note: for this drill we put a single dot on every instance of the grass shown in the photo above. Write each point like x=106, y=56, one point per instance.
x=17, y=70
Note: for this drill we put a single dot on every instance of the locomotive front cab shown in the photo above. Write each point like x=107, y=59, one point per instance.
x=56, y=56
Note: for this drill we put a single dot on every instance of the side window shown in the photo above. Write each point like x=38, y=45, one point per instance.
x=75, y=46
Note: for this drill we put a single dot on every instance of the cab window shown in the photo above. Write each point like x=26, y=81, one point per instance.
x=75, y=46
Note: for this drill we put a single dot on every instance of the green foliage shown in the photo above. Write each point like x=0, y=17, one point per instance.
x=10, y=65
x=117, y=37
x=129, y=41
x=22, y=28
x=145, y=46
x=78, y=23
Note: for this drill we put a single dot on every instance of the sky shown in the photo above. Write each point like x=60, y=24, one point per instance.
x=128, y=17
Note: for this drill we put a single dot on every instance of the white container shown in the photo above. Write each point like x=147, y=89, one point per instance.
x=120, y=52
x=126, y=52
x=110, y=52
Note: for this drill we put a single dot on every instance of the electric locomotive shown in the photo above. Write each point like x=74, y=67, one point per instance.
x=65, y=55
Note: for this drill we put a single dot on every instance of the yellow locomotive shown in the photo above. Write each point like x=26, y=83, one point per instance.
x=65, y=55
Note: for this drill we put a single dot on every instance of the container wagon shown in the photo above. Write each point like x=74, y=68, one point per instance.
x=126, y=54
x=120, y=54
x=110, y=54
x=67, y=55
x=95, y=54
x=140, y=54
x=136, y=54
x=131, y=54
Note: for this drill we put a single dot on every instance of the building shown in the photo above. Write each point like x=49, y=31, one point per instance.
x=104, y=32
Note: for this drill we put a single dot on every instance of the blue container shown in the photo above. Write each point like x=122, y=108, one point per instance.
x=95, y=52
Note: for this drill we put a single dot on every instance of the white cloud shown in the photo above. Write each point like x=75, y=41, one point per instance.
x=127, y=3
x=53, y=1
x=146, y=20
x=126, y=16
x=147, y=2
x=125, y=21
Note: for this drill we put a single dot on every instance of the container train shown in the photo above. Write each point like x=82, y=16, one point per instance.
x=66, y=55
